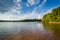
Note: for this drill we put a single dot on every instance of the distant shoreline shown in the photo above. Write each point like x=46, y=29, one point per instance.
x=26, y=20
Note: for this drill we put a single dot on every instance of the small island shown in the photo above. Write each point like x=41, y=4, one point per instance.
x=53, y=17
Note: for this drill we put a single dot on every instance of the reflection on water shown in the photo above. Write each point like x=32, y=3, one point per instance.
x=29, y=31
x=55, y=28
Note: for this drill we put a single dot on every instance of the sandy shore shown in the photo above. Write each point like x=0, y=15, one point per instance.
x=54, y=22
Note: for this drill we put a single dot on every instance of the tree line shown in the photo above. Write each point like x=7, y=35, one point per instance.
x=54, y=16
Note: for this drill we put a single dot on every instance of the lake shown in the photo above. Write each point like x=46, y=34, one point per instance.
x=29, y=31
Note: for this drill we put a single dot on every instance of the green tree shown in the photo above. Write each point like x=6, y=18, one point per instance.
x=52, y=17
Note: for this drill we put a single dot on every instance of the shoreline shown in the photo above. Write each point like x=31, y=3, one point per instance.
x=54, y=22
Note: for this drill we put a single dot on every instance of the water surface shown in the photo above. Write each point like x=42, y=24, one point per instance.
x=29, y=31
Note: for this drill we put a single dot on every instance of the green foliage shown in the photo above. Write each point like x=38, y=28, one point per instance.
x=52, y=17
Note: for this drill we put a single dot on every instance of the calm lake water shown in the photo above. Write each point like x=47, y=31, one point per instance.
x=29, y=31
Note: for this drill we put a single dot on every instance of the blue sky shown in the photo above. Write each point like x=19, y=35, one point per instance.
x=26, y=9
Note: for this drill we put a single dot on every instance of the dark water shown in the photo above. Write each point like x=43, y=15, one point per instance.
x=29, y=31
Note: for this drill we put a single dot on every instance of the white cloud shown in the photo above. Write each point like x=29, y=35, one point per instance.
x=27, y=4
x=8, y=16
x=42, y=3
x=39, y=15
x=5, y=17
x=39, y=6
x=33, y=15
x=32, y=2
x=18, y=6
x=16, y=9
x=16, y=0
